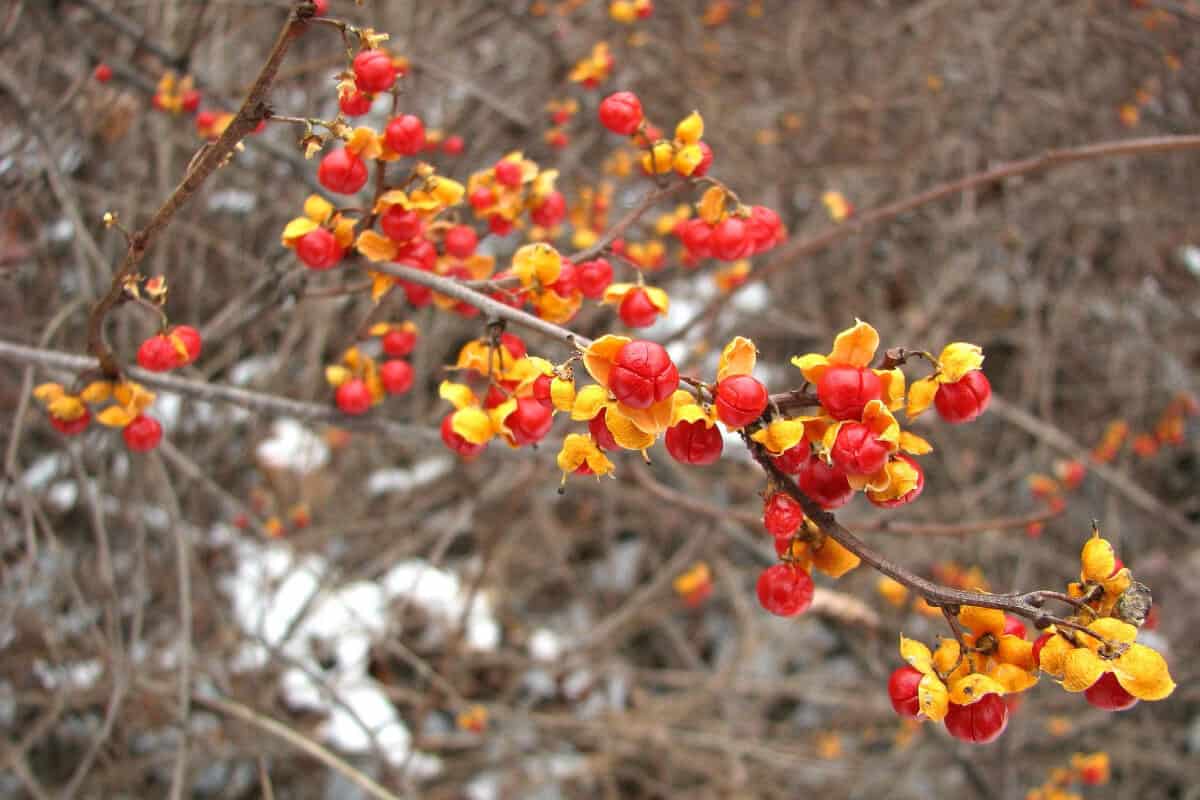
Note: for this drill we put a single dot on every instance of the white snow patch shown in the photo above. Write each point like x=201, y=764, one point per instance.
x=293, y=447
x=77, y=676
x=382, y=481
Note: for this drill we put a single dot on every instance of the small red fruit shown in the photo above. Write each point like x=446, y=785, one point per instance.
x=460, y=241
x=782, y=515
x=353, y=397
x=405, y=134
x=1108, y=694
x=453, y=145
x=191, y=342
x=400, y=225
x=593, y=277
x=694, y=443
x=541, y=390
x=568, y=279
x=550, y=211
x=499, y=225
x=190, y=101
x=342, y=172
x=741, y=399
x=825, y=484
x=457, y=443
x=598, y=427
x=355, y=103
x=844, y=391
x=965, y=399
x=319, y=249
x=642, y=374
x=764, y=228
x=1014, y=626
x=621, y=113
x=396, y=376
x=142, y=433
x=637, y=310
x=981, y=722
x=696, y=235
x=320, y=7
x=373, y=71
x=157, y=354
x=857, y=451
x=1038, y=644
x=731, y=240
x=514, y=344
x=529, y=422
x=102, y=73
x=481, y=197
x=508, y=173
x=399, y=343
x=73, y=426
x=785, y=590
x=792, y=459
x=902, y=689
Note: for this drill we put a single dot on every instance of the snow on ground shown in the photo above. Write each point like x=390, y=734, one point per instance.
x=284, y=601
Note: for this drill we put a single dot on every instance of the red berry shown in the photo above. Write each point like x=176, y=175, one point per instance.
x=621, y=113
x=825, y=484
x=598, y=426
x=1108, y=694
x=741, y=399
x=373, y=71
x=642, y=374
x=460, y=241
x=319, y=249
x=902, y=689
x=321, y=7
x=567, y=282
x=508, y=173
x=499, y=225
x=495, y=396
x=594, y=277
x=782, y=515
x=1038, y=644
x=1014, y=626
x=405, y=134
x=785, y=590
x=204, y=122
x=981, y=722
x=157, y=354
x=342, y=172
x=694, y=443
x=551, y=210
x=637, y=310
x=453, y=145
x=416, y=295
x=513, y=344
x=792, y=459
x=102, y=73
x=400, y=225
x=696, y=235
x=399, y=343
x=541, y=390
x=529, y=421
x=190, y=101
x=645, y=10
x=965, y=399
x=142, y=433
x=731, y=240
x=353, y=397
x=457, y=443
x=355, y=103
x=705, y=161
x=396, y=376
x=481, y=197
x=71, y=427
x=844, y=391
x=912, y=494
x=191, y=342
x=764, y=228
x=857, y=451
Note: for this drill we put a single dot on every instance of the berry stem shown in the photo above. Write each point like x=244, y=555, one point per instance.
x=649, y=199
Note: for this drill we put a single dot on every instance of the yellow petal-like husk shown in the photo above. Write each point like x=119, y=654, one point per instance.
x=1082, y=668
x=855, y=346
x=598, y=358
x=588, y=402
x=737, y=358
x=375, y=247
x=932, y=697
x=920, y=396
x=1142, y=672
x=833, y=559
x=957, y=359
x=972, y=688
x=625, y=432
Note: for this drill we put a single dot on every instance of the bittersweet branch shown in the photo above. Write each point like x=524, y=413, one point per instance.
x=253, y=110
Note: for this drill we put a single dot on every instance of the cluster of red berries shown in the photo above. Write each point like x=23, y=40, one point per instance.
x=176, y=348
x=744, y=233
x=360, y=383
x=500, y=189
